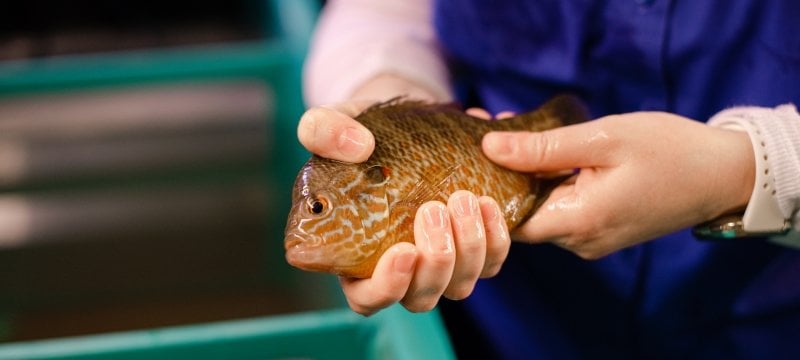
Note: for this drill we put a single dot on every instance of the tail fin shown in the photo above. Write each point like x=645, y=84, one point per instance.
x=568, y=109
x=559, y=111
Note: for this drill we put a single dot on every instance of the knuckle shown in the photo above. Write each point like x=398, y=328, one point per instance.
x=589, y=229
x=607, y=136
x=460, y=291
x=423, y=299
x=497, y=243
x=382, y=298
x=317, y=130
x=441, y=260
x=594, y=252
x=361, y=309
x=585, y=242
x=491, y=269
x=365, y=312
x=458, y=294
x=576, y=242
x=586, y=254
x=418, y=306
x=540, y=148
x=369, y=303
x=570, y=243
x=471, y=244
x=579, y=236
x=496, y=252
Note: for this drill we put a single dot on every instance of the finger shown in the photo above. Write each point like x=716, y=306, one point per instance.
x=388, y=284
x=558, y=149
x=585, y=233
x=557, y=218
x=434, y=239
x=479, y=113
x=505, y=115
x=470, y=243
x=334, y=135
x=498, y=241
x=556, y=174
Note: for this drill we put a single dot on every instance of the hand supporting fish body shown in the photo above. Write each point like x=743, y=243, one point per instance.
x=344, y=215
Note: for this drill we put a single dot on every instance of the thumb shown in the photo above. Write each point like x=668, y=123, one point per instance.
x=565, y=148
x=334, y=134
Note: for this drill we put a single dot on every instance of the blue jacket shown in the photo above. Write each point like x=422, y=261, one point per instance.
x=674, y=297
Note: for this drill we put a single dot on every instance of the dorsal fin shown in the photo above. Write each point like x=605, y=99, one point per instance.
x=404, y=102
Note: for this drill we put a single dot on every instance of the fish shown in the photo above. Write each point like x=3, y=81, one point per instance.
x=344, y=216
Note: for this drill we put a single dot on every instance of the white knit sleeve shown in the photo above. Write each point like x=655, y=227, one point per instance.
x=356, y=40
x=779, y=132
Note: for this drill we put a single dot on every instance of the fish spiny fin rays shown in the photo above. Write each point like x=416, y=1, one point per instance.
x=430, y=187
x=401, y=106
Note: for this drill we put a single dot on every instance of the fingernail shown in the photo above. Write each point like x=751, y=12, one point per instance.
x=439, y=239
x=404, y=263
x=499, y=143
x=352, y=141
x=466, y=205
x=436, y=216
x=492, y=210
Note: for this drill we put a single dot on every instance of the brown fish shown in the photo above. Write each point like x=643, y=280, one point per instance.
x=344, y=216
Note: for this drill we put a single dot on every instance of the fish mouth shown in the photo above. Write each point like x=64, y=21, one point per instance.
x=293, y=240
x=304, y=254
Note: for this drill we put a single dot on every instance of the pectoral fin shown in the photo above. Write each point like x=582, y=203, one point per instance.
x=433, y=186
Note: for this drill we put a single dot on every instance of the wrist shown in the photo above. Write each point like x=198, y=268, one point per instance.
x=762, y=213
x=742, y=182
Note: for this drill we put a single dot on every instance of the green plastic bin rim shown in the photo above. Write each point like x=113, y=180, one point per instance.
x=393, y=333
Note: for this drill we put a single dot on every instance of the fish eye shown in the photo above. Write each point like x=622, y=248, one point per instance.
x=317, y=206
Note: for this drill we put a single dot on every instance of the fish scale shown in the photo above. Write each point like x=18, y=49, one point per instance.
x=345, y=215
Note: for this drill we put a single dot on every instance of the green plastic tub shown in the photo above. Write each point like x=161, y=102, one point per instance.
x=334, y=334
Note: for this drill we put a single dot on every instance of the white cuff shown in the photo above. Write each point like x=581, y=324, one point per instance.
x=763, y=213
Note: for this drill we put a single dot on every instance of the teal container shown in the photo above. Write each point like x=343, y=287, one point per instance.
x=334, y=334
x=329, y=330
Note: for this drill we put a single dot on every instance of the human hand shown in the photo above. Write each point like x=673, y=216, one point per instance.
x=642, y=175
x=331, y=132
x=455, y=244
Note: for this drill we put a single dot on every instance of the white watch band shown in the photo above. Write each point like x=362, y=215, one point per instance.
x=763, y=214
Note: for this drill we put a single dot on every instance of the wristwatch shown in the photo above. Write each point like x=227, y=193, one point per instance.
x=732, y=227
x=763, y=216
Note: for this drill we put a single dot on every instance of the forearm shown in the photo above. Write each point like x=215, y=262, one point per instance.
x=375, y=49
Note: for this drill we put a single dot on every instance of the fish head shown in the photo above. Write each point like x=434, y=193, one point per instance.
x=339, y=217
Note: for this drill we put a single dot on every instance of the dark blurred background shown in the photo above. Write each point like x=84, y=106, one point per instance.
x=38, y=28
x=146, y=155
